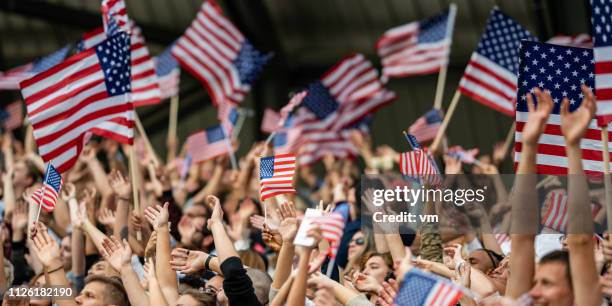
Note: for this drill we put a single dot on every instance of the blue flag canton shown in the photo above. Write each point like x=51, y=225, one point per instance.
x=559, y=69
x=601, y=20
x=114, y=58
x=53, y=178
x=214, y=134
x=501, y=40
x=249, y=63
x=233, y=116
x=166, y=63
x=45, y=63
x=414, y=143
x=266, y=167
x=112, y=26
x=320, y=101
x=280, y=139
x=434, y=116
x=416, y=288
x=435, y=28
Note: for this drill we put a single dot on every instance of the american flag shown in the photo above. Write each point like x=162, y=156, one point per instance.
x=345, y=95
x=417, y=164
x=555, y=210
x=490, y=77
x=184, y=167
x=425, y=289
x=602, y=29
x=294, y=102
x=561, y=70
x=420, y=47
x=465, y=156
x=332, y=229
x=14, y=116
x=218, y=54
x=286, y=141
x=228, y=115
x=207, y=144
x=47, y=195
x=81, y=93
x=413, y=141
x=114, y=16
x=426, y=127
x=168, y=74
x=10, y=80
x=582, y=40
x=270, y=121
x=276, y=175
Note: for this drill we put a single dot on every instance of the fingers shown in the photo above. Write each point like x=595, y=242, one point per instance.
x=530, y=104
x=564, y=107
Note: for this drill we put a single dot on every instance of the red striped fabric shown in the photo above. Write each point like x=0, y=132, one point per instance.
x=332, y=230
x=602, y=34
x=582, y=40
x=15, y=119
x=276, y=175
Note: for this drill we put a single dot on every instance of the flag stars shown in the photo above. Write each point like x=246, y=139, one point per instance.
x=556, y=100
x=572, y=101
x=574, y=73
x=567, y=65
x=573, y=87
x=549, y=78
x=576, y=59
x=558, y=71
x=557, y=85
x=569, y=52
x=543, y=55
x=541, y=84
x=535, y=62
x=564, y=93
x=542, y=70
x=551, y=63
x=585, y=53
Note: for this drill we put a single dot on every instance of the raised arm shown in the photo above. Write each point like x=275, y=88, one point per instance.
x=122, y=189
x=524, y=199
x=580, y=227
x=288, y=230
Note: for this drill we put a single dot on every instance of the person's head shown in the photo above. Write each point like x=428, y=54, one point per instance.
x=377, y=265
x=38, y=281
x=193, y=225
x=102, y=291
x=484, y=260
x=65, y=251
x=25, y=174
x=214, y=286
x=261, y=282
x=102, y=268
x=361, y=242
x=252, y=259
x=552, y=281
x=194, y=297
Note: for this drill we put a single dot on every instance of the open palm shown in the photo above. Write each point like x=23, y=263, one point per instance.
x=538, y=116
x=574, y=124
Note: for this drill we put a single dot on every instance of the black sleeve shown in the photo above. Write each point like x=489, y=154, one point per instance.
x=23, y=273
x=237, y=285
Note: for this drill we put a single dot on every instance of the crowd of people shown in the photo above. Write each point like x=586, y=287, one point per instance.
x=205, y=238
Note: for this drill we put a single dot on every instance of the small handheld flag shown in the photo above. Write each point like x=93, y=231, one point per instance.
x=207, y=144
x=276, y=175
x=412, y=141
x=421, y=288
x=47, y=195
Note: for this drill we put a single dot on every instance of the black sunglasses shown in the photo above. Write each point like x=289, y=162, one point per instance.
x=358, y=241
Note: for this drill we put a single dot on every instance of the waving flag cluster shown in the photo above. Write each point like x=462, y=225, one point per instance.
x=77, y=95
x=417, y=164
x=602, y=32
x=168, y=74
x=10, y=79
x=47, y=195
x=276, y=175
x=218, y=54
x=562, y=71
x=420, y=288
x=490, y=77
x=419, y=47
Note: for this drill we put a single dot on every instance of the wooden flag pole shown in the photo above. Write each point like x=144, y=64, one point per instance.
x=144, y=136
x=509, y=139
x=173, y=121
x=607, y=183
x=449, y=114
x=134, y=179
x=440, y=87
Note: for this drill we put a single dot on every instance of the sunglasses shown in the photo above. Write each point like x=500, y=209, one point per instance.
x=358, y=241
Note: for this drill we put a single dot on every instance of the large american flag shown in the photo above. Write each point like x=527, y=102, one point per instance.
x=218, y=54
x=425, y=289
x=344, y=96
x=419, y=47
x=490, y=76
x=332, y=230
x=602, y=29
x=582, y=40
x=81, y=93
x=276, y=175
x=426, y=127
x=168, y=74
x=10, y=80
x=419, y=165
x=561, y=70
x=207, y=144
x=47, y=195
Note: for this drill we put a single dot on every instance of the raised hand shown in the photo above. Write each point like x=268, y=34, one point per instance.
x=538, y=116
x=388, y=293
x=80, y=217
x=452, y=165
x=68, y=192
x=289, y=224
x=117, y=254
x=575, y=124
x=463, y=275
x=366, y=283
x=120, y=185
x=157, y=215
x=106, y=217
x=217, y=212
x=88, y=154
x=45, y=247
x=187, y=261
x=272, y=238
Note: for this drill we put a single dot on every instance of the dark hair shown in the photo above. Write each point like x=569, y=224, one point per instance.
x=386, y=257
x=493, y=256
x=559, y=257
x=114, y=292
